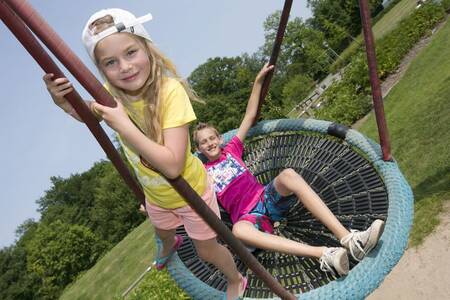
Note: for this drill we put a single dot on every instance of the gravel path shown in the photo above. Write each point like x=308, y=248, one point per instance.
x=423, y=272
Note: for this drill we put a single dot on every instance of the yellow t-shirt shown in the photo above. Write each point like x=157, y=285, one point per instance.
x=176, y=111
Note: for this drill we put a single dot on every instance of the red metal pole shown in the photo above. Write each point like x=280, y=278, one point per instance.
x=274, y=56
x=68, y=58
x=374, y=80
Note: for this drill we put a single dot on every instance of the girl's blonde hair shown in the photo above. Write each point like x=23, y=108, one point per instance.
x=160, y=67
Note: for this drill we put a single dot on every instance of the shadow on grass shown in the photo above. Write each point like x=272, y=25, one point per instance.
x=439, y=183
x=430, y=195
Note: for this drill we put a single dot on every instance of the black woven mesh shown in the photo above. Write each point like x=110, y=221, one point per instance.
x=345, y=181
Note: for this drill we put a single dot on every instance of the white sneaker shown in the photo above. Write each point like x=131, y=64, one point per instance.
x=359, y=243
x=334, y=259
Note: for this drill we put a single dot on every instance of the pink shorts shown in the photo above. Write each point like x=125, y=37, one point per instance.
x=196, y=228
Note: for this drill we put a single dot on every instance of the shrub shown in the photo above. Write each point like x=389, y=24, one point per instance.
x=348, y=100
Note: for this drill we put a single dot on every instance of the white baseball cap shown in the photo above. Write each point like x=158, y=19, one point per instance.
x=124, y=21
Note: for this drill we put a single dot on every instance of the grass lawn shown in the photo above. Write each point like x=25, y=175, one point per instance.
x=418, y=117
x=118, y=269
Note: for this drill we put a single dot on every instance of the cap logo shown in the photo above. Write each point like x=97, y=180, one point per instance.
x=120, y=27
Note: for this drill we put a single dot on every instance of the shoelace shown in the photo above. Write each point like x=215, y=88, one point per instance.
x=324, y=266
x=352, y=239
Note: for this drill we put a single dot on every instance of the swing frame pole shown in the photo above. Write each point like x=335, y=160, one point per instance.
x=377, y=97
x=26, y=14
x=274, y=56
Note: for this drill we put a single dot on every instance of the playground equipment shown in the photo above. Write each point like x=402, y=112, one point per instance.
x=355, y=177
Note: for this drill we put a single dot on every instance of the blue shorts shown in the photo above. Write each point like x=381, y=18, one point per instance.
x=269, y=208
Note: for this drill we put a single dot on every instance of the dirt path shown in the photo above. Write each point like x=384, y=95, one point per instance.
x=423, y=272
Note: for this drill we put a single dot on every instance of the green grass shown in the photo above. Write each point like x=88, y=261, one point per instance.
x=113, y=274
x=120, y=267
x=388, y=22
x=418, y=117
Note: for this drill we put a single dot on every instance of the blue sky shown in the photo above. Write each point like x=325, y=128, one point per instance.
x=39, y=141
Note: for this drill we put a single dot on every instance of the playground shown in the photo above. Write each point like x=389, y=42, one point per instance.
x=359, y=179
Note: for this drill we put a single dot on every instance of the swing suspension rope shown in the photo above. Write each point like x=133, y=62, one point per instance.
x=20, y=18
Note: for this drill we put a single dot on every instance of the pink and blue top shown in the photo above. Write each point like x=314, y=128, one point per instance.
x=236, y=188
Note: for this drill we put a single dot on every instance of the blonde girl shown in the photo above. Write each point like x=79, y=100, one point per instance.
x=152, y=121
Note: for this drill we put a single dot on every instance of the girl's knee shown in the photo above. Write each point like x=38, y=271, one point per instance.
x=237, y=230
x=289, y=173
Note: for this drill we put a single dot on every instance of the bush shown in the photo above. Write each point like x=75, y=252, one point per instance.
x=58, y=252
x=347, y=100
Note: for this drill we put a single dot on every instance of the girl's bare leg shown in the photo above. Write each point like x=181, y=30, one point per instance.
x=216, y=254
x=246, y=232
x=167, y=238
x=289, y=181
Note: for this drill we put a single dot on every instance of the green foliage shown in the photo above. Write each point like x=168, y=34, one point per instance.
x=97, y=199
x=347, y=101
x=302, y=51
x=391, y=17
x=338, y=20
x=117, y=269
x=58, y=252
x=158, y=285
x=225, y=85
x=297, y=88
x=446, y=5
x=220, y=76
x=95, y=207
x=15, y=281
x=115, y=210
x=393, y=47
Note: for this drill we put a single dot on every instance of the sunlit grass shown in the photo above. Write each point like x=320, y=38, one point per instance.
x=418, y=117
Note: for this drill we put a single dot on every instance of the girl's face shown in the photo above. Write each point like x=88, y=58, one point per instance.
x=209, y=143
x=124, y=61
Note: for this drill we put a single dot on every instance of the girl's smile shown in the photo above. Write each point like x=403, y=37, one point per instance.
x=130, y=78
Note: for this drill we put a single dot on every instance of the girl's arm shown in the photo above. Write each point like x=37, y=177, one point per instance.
x=253, y=101
x=169, y=158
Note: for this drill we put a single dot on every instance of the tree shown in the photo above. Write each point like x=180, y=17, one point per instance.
x=225, y=85
x=295, y=91
x=58, y=252
x=97, y=199
x=303, y=46
x=339, y=20
x=114, y=212
x=15, y=281
x=221, y=76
